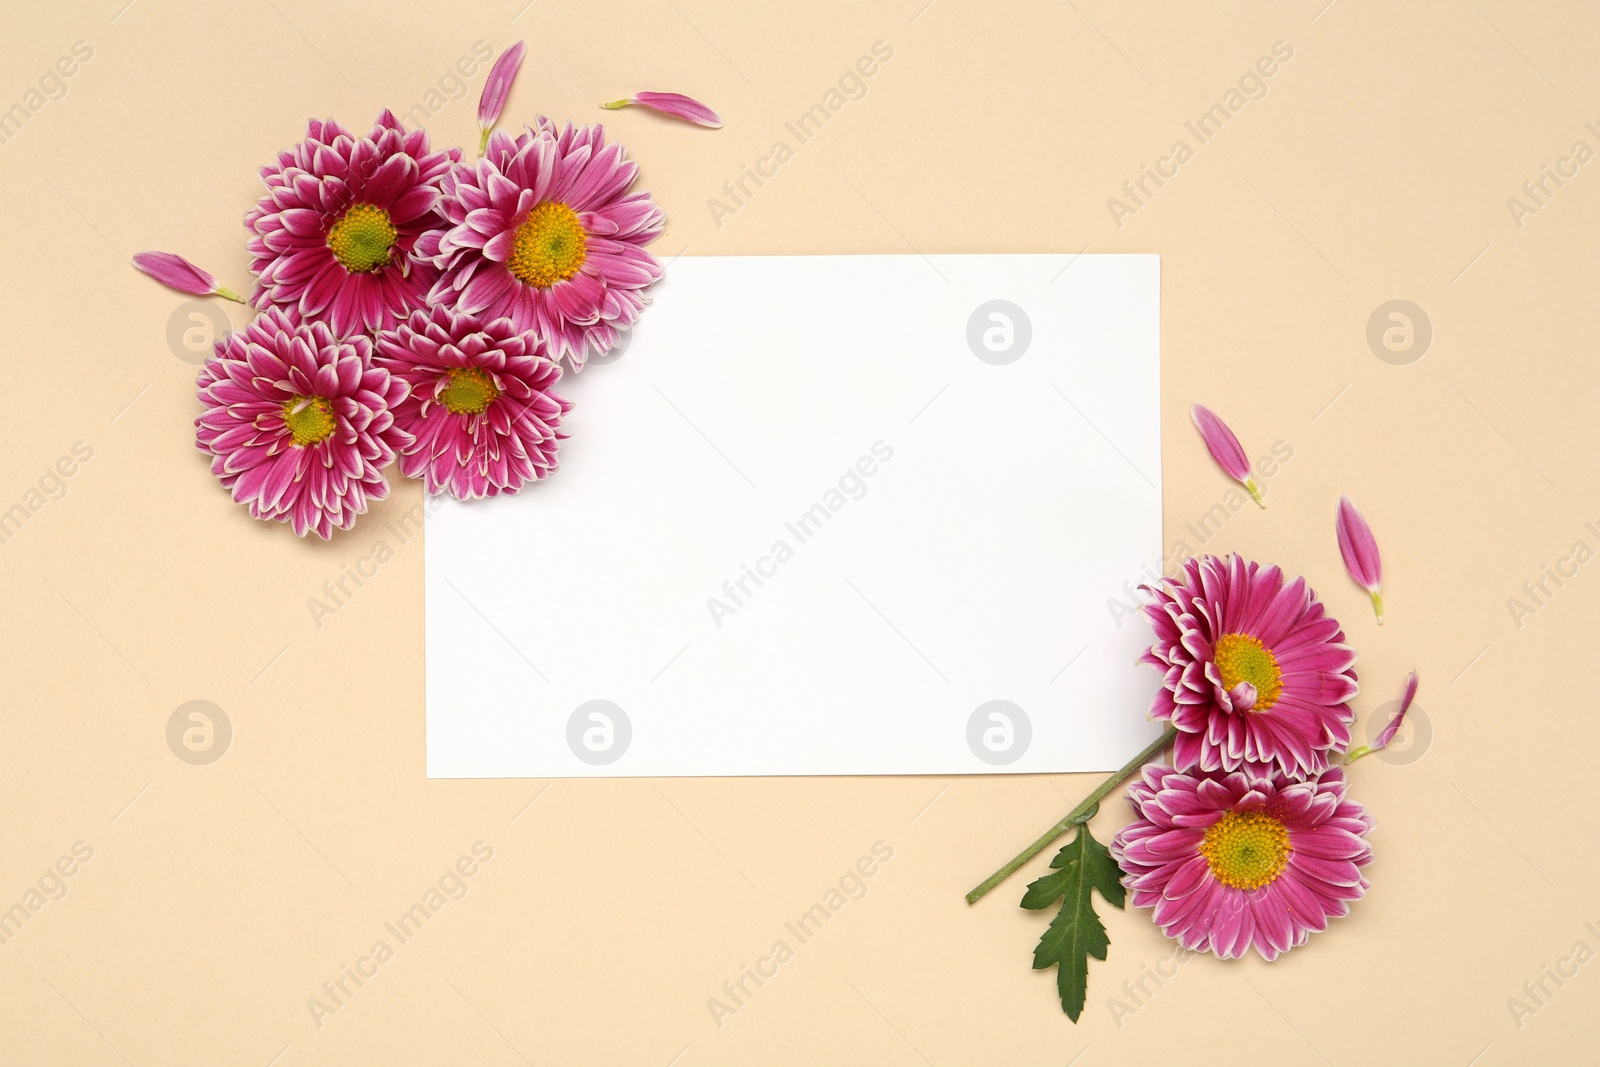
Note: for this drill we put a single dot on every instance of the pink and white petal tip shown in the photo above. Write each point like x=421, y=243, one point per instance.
x=178, y=273
x=675, y=104
x=1360, y=551
x=1225, y=449
x=496, y=90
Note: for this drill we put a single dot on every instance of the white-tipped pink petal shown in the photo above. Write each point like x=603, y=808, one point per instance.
x=178, y=273
x=497, y=89
x=1360, y=551
x=1394, y=724
x=1225, y=449
x=1243, y=696
x=675, y=104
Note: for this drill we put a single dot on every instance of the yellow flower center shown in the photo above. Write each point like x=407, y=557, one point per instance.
x=1242, y=658
x=549, y=246
x=467, y=391
x=310, y=419
x=1246, y=849
x=363, y=238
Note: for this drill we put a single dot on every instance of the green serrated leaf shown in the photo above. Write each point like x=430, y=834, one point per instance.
x=1075, y=934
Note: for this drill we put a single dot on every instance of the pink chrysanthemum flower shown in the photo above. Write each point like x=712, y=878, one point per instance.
x=1257, y=674
x=298, y=422
x=1230, y=861
x=482, y=412
x=336, y=232
x=543, y=231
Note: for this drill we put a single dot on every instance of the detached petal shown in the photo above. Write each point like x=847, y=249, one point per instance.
x=178, y=273
x=498, y=87
x=1394, y=724
x=1360, y=551
x=1225, y=448
x=675, y=104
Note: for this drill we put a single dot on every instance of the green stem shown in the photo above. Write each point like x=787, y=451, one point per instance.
x=229, y=294
x=1255, y=492
x=1082, y=813
x=1377, y=605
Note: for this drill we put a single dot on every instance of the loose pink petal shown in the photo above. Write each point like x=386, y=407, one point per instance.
x=497, y=89
x=1394, y=724
x=1225, y=448
x=1360, y=551
x=178, y=273
x=675, y=104
x=1386, y=735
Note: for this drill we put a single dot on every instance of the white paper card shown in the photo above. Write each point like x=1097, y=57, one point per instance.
x=823, y=515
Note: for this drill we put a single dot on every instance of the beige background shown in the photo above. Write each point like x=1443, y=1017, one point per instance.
x=219, y=898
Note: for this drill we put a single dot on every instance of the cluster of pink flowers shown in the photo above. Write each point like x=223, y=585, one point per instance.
x=1248, y=839
x=417, y=307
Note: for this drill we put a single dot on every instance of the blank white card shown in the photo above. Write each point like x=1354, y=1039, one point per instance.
x=823, y=515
